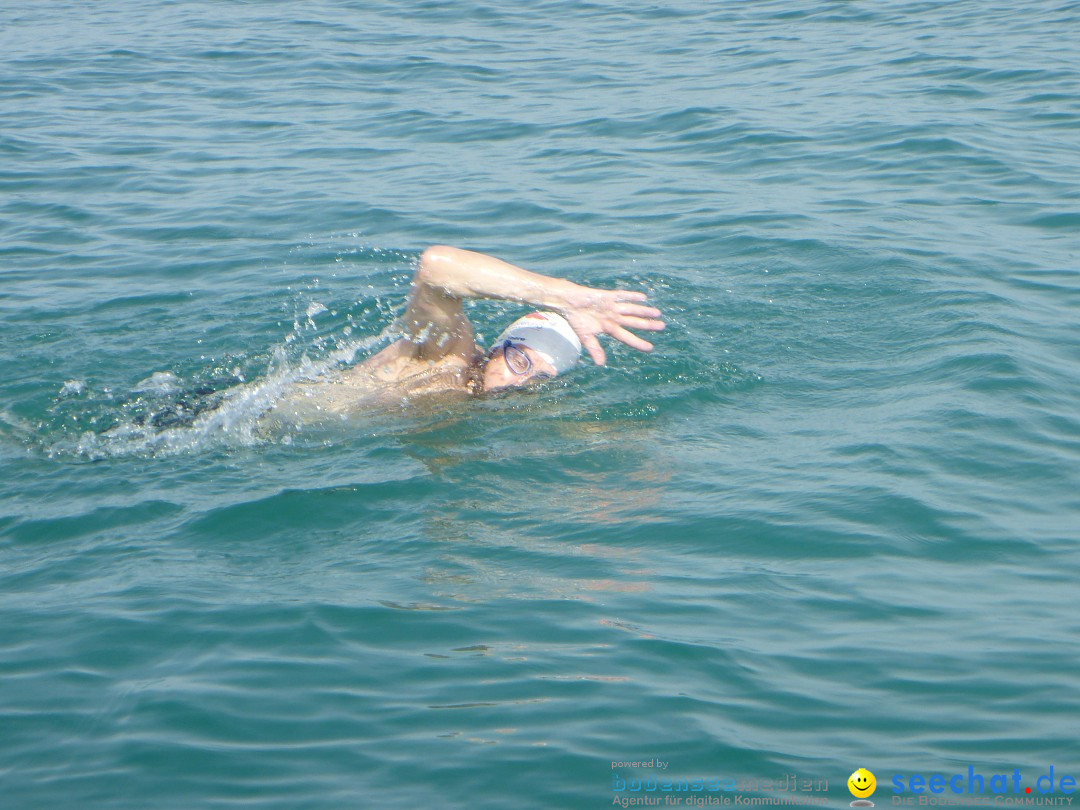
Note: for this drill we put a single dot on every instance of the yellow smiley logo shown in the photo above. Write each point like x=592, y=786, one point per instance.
x=862, y=783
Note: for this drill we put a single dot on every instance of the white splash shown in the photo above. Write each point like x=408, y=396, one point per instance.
x=72, y=388
x=235, y=422
x=160, y=382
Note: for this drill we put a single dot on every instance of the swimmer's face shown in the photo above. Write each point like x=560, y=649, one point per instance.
x=498, y=374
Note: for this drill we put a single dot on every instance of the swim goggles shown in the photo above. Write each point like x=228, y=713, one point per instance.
x=518, y=361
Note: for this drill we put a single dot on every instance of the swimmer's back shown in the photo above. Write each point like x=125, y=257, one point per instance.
x=391, y=378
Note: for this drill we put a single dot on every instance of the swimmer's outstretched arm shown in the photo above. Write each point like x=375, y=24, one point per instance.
x=447, y=276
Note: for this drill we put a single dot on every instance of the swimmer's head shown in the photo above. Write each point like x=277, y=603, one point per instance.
x=537, y=347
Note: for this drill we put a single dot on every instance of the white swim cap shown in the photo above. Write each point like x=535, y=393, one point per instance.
x=549, y=335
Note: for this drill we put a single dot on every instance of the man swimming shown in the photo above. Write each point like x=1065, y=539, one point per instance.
x=439, y=354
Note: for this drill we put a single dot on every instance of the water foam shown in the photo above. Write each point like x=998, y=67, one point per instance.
x=236, y=422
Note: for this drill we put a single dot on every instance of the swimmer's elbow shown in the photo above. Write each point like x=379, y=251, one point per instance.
x=434, y=260
x=438, y=267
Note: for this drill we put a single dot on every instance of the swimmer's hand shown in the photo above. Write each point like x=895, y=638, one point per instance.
x=593, y=312
x=446, y=276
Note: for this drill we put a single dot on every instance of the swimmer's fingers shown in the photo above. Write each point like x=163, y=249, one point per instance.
x=626, y=295
x=612, y=312
x=637, y=310
x=596, y=351
x=649, y=324
x=630, y=339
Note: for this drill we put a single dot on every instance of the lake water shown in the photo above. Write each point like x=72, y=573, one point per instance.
x=831, y=522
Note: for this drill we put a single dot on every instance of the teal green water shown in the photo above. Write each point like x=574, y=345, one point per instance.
x=830, y=522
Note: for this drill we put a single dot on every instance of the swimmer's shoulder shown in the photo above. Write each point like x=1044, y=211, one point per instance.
x=399, y=362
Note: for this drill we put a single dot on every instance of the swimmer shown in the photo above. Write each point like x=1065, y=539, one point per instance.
x=439, y=354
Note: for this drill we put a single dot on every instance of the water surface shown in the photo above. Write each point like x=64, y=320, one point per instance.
x=830, y=522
